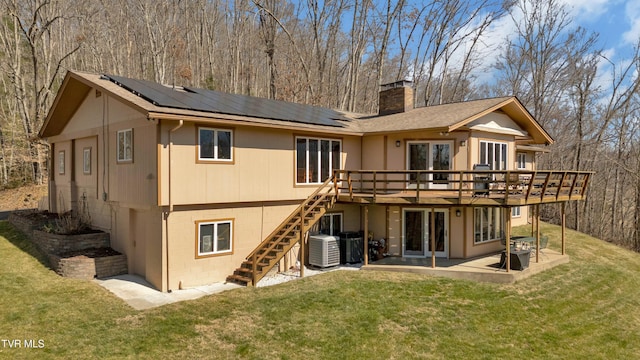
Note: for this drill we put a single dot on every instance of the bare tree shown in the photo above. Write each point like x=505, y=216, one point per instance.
x=37, y=54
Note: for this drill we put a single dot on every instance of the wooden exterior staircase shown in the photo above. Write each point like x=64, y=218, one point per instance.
x=291, y=231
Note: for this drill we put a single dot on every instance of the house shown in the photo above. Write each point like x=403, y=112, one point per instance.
x=195, y=185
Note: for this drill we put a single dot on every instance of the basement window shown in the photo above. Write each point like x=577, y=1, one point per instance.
x=330, y=224
x=214, y=238
x=215, y=144
x=516, y=212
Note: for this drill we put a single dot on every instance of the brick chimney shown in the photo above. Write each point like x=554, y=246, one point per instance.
x=395, y=97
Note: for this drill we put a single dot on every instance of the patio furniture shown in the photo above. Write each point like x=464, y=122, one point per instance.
x=544, y=240
x=519, y=259
x=526, y=242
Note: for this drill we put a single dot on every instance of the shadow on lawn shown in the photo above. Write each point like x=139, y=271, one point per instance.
x=19, y=240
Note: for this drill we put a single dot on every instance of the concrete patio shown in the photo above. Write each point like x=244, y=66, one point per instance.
x=484, y=269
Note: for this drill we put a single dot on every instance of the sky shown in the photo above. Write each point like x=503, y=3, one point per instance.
x=617, y=22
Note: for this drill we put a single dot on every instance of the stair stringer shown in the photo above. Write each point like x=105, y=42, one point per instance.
x=275, y=246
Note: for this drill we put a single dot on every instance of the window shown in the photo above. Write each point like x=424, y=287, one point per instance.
x=61, y=162
x=125, y=145
x=86, y=161
x=488, y=224
x=494, y=154
x=331, y=224
x=516, y=211
x=521, y=161
x=215, y=144
x=316, y=159
x=215, y=237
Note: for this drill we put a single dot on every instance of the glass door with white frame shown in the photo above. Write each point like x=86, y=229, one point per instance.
x=417, y=230
x=431, y=155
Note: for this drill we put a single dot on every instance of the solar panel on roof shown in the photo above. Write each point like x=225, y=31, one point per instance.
x=225, y=103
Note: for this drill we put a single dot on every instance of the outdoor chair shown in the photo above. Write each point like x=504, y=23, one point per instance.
x=544, y=240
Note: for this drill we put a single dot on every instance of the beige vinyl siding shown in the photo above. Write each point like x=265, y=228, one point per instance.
x=263, y=167
x=251, y=223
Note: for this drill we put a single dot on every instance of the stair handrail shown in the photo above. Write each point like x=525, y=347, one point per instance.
x=292, y=215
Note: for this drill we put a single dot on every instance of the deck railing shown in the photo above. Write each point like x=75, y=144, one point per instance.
x=527, y=186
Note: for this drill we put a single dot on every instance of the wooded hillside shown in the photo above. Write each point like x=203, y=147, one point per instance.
x=336, y=53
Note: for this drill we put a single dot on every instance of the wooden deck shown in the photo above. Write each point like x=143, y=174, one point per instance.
x=461, y=188
x=484, y=268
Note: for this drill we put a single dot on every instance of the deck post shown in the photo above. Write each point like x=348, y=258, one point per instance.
x=302, y=241
x=374, y=186
x=537, y=230
x=533, y=219
x=418, y=187
x=433, y=238
x=507, y=215
x=537, y=234
x=366, y=235
x=564, y=223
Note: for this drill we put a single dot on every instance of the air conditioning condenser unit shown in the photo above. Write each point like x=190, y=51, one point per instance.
x=324, y=250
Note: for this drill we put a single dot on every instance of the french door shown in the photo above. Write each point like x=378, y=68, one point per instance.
x=429, y=155
x=417, y=230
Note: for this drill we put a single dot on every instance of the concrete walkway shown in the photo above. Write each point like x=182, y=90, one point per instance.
x=140, y=295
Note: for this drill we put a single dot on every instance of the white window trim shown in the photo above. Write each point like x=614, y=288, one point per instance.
x=122, y=157
x=215, y=144
x=86, y=161
x=482, y=239
x=516, y=211
x=215, y=237
x=429, y=182
x=331, y=167
x=503, y=160
x=330, y=216
x=521, y=164
x=61, y=162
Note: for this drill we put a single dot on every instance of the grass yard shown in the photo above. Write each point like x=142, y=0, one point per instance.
x=585, y=309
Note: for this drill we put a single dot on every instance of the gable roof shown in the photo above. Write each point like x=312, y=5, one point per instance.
x=455, y=116
x=191, y=104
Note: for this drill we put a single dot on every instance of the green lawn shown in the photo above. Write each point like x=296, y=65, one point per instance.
x=585, y=309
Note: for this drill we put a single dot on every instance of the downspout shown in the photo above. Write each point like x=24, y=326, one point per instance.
x=171, y=131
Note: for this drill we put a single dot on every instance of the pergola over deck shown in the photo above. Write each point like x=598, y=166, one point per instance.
x=445, y=188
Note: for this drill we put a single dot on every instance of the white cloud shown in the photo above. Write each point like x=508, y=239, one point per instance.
x=588, y=10
x=632, y=12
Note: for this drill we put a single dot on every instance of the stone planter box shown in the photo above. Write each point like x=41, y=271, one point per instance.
x=26, y=222
x=79, y=256
x=57, y=244
x=89, y=263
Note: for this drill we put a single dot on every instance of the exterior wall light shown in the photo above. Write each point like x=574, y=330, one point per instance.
x=463, y=143
x=397, y=143
x=458, y=213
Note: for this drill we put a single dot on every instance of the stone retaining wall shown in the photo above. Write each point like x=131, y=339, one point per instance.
x=82, y=256
x=84, y=267
x=58, y=244
x=26, y=225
